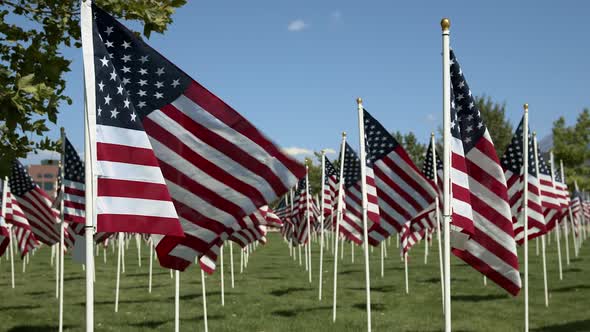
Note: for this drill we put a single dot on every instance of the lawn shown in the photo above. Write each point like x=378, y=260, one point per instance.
x=273, y=294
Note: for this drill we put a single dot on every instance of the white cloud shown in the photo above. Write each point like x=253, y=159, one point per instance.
x=35, y=158
x=297, y=25
x=330, y=151
x=295, y=151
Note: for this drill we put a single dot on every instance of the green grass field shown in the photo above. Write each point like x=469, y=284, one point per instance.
x=273, y=294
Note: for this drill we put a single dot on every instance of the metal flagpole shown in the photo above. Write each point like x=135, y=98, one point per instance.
x=177, y=301
x=362, y=156
x=323, y=179
x=525, y=212
x=204, y=301
x=151, y=265
x=62, y=230
x=119, y=254
x=557, y=221
x=307, y=202
x=338, y=220
x=231, y=263
x=445, y=25
x=138, y=243
x=382, y=259
x=565, y=228
x=351, y=252
x=406, y=272
x=89, y=151
x=221, y=275
x=543, y=257
x=426, y=247
x=437, y=218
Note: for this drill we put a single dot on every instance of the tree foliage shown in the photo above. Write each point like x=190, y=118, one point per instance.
x=32, y=66
x=571, y=144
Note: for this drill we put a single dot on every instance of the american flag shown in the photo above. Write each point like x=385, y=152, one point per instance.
x=479, y=191
x=428, y=168
x=576, y=206
x=330, y=187
x=562, y=190
x=512, y=162
x=352, y=223
x=174, y=159
x=283, y=209
x=301, y=206
x=403, y=192
x=414, y=230
x=35, y=205
x=23, y=234
x=74, y=184
x=4, y=236
x=549, y=194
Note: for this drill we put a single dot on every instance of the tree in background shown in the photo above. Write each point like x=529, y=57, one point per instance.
x=32, y=66
x=413, y=147
x=572, y=145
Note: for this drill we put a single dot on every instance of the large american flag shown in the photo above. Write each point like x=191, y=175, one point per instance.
x=35, y=204
x=352, y=222
x=168, y=150
x=403, y=192
x=479, y=191
x=512, y=162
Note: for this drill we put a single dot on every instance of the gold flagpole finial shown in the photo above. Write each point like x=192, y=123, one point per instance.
x=359, y=100
x=526, y=107
x=432, y=134
x=445, y=24
x=62, y=130
x=343, y=134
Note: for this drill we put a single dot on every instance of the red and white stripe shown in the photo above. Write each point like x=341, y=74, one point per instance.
x=74, y=202
x=536, y=219
x=352, y=222
x=35, y=206
x=4, y=237
x=330, y=192
x=549, y=193
x=414, y=231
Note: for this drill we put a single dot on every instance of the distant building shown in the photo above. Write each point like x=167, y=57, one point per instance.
x=45, y=175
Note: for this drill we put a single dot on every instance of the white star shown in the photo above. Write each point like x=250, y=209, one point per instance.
x=126, y=103
x=108, y=43
x=469, y=117
x=469, y=129
x=114, y=113
x=104, y=61
x=159, y=85
x=158, y=95
x=143, y=59
x=471, y=105
x=175, y=83
x=160, y=71
x=126, y=44
x=460, y=96
x=467, y=139
x=99, y=111
x=126, y=69
x=109, y=30
x=461, y=84
x=126, y=58
x=125, y=81
x=120, y=90
x=142, y=82
x=141, y=104
x=143, y=71
x=141, y=93
x=100, y=86
x=113, y=75
x=133, y=116
x=107, y=99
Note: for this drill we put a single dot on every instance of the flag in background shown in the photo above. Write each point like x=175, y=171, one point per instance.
x=479, y=193
x=74, y=185
x=173, y=158
x=23, y=234
x=512, y=162
x=330, y=187
x=4, y=236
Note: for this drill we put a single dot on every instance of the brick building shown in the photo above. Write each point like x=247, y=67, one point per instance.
x=45, y=175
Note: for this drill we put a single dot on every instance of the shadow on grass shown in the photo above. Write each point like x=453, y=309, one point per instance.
x=576, y=326
x=295, y=312
x=349, y=272
x=380, y=289
x=478, y=298
x=143, y=286
x=20, y=307
x=287, y=291
x=37, y=328
x=145, y=274
x=74, y=278
x=572, y=269
x=374, y=306
x=570, y=288
x=272, y=278
x=36, y=293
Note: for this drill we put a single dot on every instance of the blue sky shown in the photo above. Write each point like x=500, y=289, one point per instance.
x=294, y=68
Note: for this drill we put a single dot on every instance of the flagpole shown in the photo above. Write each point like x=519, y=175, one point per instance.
x=437, y=218
x=338, y=219
x=61, y=230
x=445, y=25
x=221, y=275
x=406, y=272
x=525, y=212
x=151, y=264
x=204, y=301
x=307, y=202
x=425, y=247
x=382, y=259
x=89, y=151
x=362, y=156
x=565, y=228
x=557, y=221
x=536, y=151
x=138, y=243
x=177, y=301
x=119, y=254
x=323, y=179
x=231, y=263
